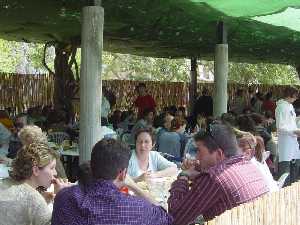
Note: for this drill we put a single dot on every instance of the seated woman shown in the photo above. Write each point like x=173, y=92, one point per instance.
x=34, y=134
x=254, y=149
x=145, y=163
x=20, y=202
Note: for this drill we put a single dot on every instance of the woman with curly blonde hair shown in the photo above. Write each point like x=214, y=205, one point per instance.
x=34, y=134
x=20, y=202
x=31, y=133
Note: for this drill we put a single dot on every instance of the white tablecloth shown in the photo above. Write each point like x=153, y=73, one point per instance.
x=4, y=171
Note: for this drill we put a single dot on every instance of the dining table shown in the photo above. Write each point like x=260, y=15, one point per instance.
x=4, y=171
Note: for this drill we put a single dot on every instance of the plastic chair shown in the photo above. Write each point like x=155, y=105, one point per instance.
x=127, y=138
x=58, y=137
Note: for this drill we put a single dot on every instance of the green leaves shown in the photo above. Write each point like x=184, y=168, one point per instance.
x=132, y=67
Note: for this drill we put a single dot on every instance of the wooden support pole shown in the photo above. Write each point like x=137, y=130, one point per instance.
x=90, y=79
x=193, y=86
x=221, y=72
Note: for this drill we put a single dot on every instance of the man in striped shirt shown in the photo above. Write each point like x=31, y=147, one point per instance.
x=221, y=178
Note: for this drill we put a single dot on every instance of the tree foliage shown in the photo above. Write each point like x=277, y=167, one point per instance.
x=17, y=57
x=260, y=73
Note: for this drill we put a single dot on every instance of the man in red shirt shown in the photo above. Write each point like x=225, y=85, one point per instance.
x=144, y=100
x=269, y=104
x=221, y=178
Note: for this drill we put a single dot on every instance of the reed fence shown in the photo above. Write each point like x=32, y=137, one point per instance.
x=278, y=208
x=21, y=92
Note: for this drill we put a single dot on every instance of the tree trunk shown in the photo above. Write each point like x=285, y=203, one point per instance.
x=298, y=71
x=64, y=81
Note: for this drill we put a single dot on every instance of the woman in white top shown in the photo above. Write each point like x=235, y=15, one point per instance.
x=145, y=163
x=288, y=147
x=20, y=202
x=253, y=148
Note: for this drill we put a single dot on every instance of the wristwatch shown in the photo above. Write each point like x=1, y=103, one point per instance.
x=183, y=174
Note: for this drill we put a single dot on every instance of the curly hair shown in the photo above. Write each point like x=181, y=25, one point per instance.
x=35, y=154
x=32, y=133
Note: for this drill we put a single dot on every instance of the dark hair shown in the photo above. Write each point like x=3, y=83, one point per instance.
x=182, y=109
x=268, y=96
x=85, y=173
x=258, y=119
x=259, y=96
x=140, y=85
x=290, y=92
x=124, y=115
x=104, y=121
x=269, y=114
x=159, y=120
x=147, y=130
x=229, y=119
x=172, y=110
x=204, y=91
x=219, y=136
x=246, y=123
x=108, y=158
x=146, y=112
x=176, y=123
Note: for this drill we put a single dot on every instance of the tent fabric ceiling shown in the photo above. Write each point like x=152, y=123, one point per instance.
x=166, y=28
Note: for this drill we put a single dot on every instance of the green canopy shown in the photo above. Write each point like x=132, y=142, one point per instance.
x=258, y=30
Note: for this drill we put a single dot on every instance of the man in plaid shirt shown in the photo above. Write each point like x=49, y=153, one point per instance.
x=98, y=200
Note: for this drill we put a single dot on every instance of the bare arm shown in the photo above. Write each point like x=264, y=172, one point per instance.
x=168, y=172
x=129, y=182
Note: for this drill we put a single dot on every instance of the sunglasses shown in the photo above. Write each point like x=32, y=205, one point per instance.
x=211, y=133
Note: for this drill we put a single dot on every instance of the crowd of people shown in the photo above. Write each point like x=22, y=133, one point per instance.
x=219, y=162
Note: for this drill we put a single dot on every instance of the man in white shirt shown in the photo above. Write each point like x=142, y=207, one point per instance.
x=288, y=147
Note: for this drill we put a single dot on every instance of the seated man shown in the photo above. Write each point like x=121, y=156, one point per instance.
x=221, y=178
x=98, y=200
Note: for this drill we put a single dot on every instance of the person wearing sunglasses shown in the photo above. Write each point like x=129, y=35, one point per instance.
x=219, y=179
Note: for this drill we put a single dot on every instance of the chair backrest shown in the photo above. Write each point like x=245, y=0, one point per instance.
x=282, y=179
x=128, y=139
x=58, y=137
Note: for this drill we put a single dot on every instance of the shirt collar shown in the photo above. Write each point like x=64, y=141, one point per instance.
x=102, y=184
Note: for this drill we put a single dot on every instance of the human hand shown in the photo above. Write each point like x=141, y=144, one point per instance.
x=192, y=173
x=60, y=184
x=189, y=163
x=143, y=177
x=129, y=182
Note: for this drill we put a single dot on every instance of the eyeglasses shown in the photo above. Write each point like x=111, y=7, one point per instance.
x=210, y=132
